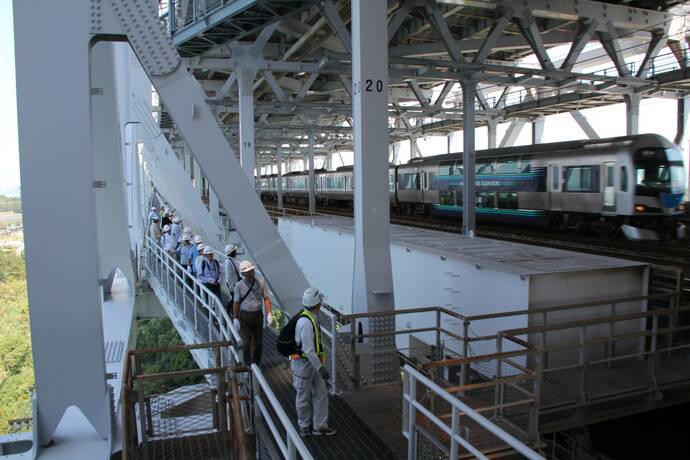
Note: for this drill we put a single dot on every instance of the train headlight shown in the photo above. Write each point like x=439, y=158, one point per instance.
x=640, y=208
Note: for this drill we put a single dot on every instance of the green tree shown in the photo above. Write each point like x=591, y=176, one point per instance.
x=16, y=361
x=160, y=333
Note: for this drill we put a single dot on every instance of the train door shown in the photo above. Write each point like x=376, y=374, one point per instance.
x=555, y=187
x=609, y=187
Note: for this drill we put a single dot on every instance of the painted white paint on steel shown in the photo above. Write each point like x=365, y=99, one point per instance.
x=111, y=208
x=59, y=212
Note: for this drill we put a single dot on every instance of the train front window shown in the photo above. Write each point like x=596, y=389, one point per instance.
x=655, y=174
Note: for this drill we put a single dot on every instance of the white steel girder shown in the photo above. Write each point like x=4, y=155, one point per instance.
x=185, y=102
x=59, y=213
x=109, y=194
x=171, y=179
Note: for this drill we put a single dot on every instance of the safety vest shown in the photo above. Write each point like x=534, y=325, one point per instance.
x=317, y=338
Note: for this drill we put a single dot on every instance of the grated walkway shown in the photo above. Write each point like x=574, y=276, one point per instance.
x=355, y=438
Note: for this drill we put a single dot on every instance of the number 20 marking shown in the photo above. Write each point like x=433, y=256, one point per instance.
x=370, y=84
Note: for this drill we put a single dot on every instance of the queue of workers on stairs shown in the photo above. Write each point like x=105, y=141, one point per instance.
x=246, y=297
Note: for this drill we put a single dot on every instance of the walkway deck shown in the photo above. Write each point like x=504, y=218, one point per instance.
x=355, y=439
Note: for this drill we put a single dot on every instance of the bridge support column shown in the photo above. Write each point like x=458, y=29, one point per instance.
x=492, y=128
x=469, y=92
x=312, y=178
x=245, y=82
x=279, y=177
x=632, y=114
x=372, y=280
x=537, y=130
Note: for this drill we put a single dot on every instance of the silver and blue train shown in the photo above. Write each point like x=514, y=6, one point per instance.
x=595, y=184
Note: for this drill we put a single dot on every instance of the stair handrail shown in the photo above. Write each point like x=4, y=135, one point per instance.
x=216, y=310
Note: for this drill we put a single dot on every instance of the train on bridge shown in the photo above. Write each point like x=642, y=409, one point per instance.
x=586, y=184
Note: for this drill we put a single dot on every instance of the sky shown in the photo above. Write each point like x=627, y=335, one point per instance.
x=9, y=151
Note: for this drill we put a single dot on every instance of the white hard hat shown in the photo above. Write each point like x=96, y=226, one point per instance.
x=187, y=230
x=200, y=247
x=208, y=250
x=198, y=239
x=177, y=219
x=230, y=247
x=311, y=297
x=246, y=266
x=186, y=237
x=153, y=208
x=166, y=228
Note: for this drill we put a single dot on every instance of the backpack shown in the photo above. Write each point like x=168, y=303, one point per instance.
x=286, y=339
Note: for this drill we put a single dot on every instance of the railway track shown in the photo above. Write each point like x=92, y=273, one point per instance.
x=673, y=254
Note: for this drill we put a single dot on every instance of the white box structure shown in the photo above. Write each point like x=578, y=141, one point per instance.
x=470, y=276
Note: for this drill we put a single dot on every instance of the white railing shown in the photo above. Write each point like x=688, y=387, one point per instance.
x=411, y=425
x=293, y=443
x=181, y=285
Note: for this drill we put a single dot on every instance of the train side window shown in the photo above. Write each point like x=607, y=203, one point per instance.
x=507, y=165
x=507, y=200
x=486, y=200
x=485, y=167
x=408, y=181
x=584, y=179
x=624, y=179
x=525, y=165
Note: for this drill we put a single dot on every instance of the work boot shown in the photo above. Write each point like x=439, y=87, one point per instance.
x=324, y=431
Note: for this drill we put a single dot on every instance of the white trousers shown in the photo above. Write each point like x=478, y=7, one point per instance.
x=312, y=396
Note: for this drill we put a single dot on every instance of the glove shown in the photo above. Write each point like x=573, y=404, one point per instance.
x=324, y=373
x=269, y=318
x=236, y=323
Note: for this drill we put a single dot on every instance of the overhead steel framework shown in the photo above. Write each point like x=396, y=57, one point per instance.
x=519, y=61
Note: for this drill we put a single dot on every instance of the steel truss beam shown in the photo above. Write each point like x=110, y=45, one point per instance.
x=185, y=101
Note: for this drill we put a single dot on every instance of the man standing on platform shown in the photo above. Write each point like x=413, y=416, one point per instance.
x=232, y=273
x=309, y=375
x=250, y=295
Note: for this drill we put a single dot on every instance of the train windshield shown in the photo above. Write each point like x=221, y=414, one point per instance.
x=655, y=174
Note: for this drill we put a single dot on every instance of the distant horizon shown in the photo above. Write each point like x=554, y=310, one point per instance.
x=12, y=192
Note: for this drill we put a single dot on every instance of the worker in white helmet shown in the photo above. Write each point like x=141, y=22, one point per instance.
x=250, y=299
x=197, y=260
x=194, y=254
x=232, y=273
x=187, y=230
x=210, y=273
x=176, y=228
x=309, y=376
x=154, y=229
x=153, y=214
x=168, y=243
x=184, y=252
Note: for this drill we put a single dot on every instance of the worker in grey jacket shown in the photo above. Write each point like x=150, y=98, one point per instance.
x=309, y=375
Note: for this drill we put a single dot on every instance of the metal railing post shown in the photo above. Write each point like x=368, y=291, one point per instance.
x=412, y=439
x=583, y=367
x=454, y=431
x=498, y=389
x=142, y=409
x=652, y=371
x=334, y=360
x=464, y=376
x=439, y=352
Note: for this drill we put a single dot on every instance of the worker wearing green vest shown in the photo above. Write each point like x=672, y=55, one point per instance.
x=309, y=376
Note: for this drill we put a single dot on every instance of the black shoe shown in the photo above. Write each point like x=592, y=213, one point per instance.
x=304, y=431
x=324, y=431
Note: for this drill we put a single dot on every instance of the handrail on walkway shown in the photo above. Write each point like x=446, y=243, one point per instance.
x=165, y=263
x=412, y=406
x=293, y=443
x=200, y=293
